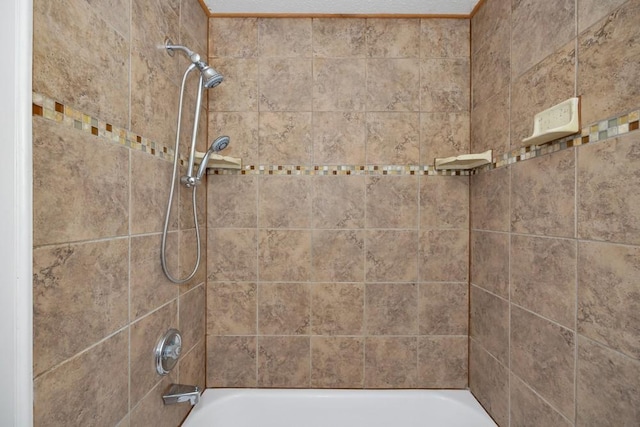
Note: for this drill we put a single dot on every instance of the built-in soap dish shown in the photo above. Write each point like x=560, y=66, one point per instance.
x=464, y=161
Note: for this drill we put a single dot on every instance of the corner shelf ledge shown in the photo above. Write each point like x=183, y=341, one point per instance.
x=216, y=161
x=464, y=161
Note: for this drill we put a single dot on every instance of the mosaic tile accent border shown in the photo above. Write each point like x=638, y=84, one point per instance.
x=600, y=131
x=324, y=170
x=63, y=114
x=68, y=116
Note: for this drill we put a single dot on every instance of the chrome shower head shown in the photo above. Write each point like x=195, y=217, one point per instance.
x=211, y=78
x=218, y=145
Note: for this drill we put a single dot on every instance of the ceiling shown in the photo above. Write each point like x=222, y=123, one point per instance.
x=340, y=7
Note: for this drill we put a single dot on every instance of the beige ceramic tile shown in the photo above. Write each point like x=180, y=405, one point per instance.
x=543, y=277
x=338, y=38
x=490, y=71
x=284, y=37
x=232, y=308
x=194, y=22
x=232, y=201
x=542, y=354
x=91, y=312
x=191, y=317
x=444, y=202
x=233, y=37
x=338, y=255
x=490, y=262
x=145, y=334
x=546, y=84
x=151, y=23
x=488, y=19
x=337, y=308
x=489, y=383
x=62, y=159
x=489, y=323
x=444, y=85
x=231, y=361
x=338, y=202
x=489, y=200
x=231, y=254
x=543, y=195
x=115, y=12
x=391, y=256
x=490, y=124
x=391, y=309
x=339, y=84
x=608, y=203
x=443, y=135
x=393, y=84
x=239, y=89
x=337, y=362
x=150, y=288
x=444, y=256
x=392, y=202
x=539, y=28
x=339, y=138
x=442, y=362
x=443, y=308
x=607, y=386
x=193, y=364
x=591, y=11
x=189, y=256
x=242, y=129
x=152, y=411
x=391, y=362
x=86, y=55
x=284, y=362
x=154, y=103
x=284, y=202
x=283, y=308
x=530, y=410
x=609, y=65
x=444, y=38
x=608, y=304
x=393, y=138
x=149, y=202
x=393, y=38
x=285, y=138
x=284, y=255
x=101, y=371
x=295, y=74
x=186, y=203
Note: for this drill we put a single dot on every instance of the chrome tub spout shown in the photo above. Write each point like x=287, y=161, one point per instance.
x=179, y=393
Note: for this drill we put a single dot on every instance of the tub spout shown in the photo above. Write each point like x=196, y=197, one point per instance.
x=179, y=393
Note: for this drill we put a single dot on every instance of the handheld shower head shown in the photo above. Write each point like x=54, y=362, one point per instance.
x=218, y=145
x=211, y=78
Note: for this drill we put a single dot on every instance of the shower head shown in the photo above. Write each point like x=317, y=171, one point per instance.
x=211, y=77
x=218, y=145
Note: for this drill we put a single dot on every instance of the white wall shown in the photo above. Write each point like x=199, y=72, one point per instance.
x=16, y=392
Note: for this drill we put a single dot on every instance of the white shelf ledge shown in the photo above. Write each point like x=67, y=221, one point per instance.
x=464, y=161
x=216, y=161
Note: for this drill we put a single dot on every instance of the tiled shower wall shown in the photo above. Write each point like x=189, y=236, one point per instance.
x=356, y=278
x=103, y=138
x=555, y=255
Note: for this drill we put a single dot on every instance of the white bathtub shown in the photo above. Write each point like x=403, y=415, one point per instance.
x=337, y=408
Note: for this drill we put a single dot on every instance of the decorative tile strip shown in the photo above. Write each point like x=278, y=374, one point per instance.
x=596, y=132
x=324, y=170
x=68, y=116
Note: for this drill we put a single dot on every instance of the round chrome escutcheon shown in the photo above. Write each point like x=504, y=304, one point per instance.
x=168, y=351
